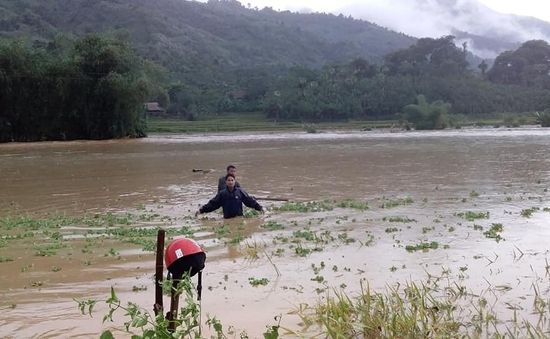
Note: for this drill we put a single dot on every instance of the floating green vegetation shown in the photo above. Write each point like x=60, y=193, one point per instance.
x=316, y=269
x=350, y=203
x=107, y=225
x=494, y=232
x=139, y=288
x=143, y=236
x=318, y=278
x=369, y=241
x=148, y=217
x=471, y=216
x=423, y=246
x=546, y=209
x=528, y=212
x=24, y=222
x=147, y=244
x=108, y=219
x=272, y=226
x=426, y=229
x=474, y=194
x=391, y=229
x=236, y=239
x=390, y=203
x=250, y=213
x=398, y=219
x=48, y=250
x=279, y=252
x=306, y=234
x=112, y=253
x=5, y=259
x=220, y=231
x=344, y=237
x=302, y=251
x=310, y=206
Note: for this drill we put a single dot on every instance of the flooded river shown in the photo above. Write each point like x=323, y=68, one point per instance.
x=432, y=180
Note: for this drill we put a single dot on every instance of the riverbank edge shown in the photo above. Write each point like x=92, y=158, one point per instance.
x=259, y=123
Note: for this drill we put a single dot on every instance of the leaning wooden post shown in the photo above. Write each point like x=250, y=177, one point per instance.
x=159, y=306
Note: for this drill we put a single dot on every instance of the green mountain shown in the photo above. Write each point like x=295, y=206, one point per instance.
x=199, y=42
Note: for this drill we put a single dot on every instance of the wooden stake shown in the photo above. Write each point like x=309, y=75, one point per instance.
x=270, y=199
x=158, y=307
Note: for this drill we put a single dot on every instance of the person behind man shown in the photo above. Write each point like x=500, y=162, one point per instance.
x=230, y=170
x=231, y=199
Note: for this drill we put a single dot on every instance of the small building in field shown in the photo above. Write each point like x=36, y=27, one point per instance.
x=154, y=109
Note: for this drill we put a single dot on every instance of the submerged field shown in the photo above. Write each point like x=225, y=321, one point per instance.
x=384, y=234
x=256, y=121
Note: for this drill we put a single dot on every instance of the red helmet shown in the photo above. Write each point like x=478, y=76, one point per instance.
x=184, y=255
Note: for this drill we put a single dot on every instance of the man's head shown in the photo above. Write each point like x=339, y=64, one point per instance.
x=232, y=170
x=230, y=181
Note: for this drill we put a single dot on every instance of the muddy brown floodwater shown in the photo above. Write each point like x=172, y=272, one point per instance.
x=443, y=175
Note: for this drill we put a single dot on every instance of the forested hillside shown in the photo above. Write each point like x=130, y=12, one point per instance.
x=197, y=40
x=196, y=59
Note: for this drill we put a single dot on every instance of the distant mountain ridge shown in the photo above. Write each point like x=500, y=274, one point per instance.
x=191, y=37
x=487, y=32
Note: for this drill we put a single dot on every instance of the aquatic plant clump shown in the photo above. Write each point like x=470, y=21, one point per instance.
x=424, y=246
x=414, y=311
x=471, y=216
x=350, y=203
x=310, y=206
x=494, y=232
x=398, y=219
x=391, y=203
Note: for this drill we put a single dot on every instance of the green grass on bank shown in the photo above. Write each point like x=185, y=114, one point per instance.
x=235, y=122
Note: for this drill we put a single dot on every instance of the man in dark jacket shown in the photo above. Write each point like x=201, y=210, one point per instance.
x=231, y=199
x=221, y=182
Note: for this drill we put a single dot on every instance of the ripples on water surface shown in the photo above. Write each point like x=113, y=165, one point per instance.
x=499, y=171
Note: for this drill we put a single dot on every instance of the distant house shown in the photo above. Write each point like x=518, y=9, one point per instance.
x=153, y=108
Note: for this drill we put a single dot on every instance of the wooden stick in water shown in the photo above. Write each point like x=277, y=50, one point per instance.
x=270, y=199
x=159, y=306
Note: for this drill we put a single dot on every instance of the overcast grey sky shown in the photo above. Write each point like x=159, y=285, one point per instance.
x=536, y=8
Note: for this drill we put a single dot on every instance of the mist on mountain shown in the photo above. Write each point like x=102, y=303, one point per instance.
x=486, y=31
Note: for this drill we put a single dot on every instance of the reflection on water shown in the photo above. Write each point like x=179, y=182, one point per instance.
x=498, y=171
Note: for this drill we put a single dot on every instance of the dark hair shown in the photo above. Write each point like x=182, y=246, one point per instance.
x=229, y=175
x=230, y=167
